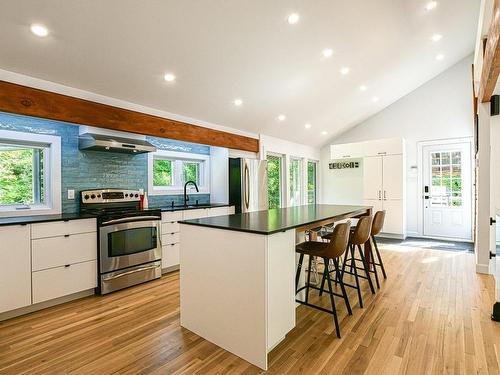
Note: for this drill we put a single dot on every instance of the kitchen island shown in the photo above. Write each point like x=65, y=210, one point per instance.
x=237, y=281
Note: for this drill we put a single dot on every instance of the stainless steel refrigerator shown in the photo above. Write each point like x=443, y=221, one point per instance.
x=248, y=184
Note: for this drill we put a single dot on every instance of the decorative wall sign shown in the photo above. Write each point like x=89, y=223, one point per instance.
x=344, y=165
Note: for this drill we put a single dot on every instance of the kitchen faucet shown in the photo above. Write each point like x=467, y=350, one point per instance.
x=186, y=198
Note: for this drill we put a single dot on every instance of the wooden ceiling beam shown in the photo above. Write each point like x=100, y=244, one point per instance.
x=491, y=58
x=29, y=101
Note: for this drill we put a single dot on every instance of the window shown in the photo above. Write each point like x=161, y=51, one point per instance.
x=274, y=168
x=30, y=174
x=311, y=182
x=170, y=170
x=295, y=181
x=446, y=176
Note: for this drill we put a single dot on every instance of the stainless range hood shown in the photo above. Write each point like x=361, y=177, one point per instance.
x=101, y=142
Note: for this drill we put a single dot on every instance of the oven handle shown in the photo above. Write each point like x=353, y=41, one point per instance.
x=131, y=272
x=130, y=219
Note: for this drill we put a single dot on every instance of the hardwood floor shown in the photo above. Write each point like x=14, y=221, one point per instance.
x=431, y=316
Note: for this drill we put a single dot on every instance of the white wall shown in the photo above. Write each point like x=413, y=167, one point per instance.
x=439, y=109
x=288, y=149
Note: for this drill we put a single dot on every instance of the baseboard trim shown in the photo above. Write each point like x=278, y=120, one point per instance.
x=170, y=269
x=483, y=268
x=496, y=312
x=43, y=305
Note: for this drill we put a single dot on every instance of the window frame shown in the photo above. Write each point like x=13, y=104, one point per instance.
x=316, y=166
x=283, y=175
x=178, y=158
x=300, y=162
x=52, y=172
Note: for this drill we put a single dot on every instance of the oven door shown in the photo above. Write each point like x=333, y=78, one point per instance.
x=129, y=242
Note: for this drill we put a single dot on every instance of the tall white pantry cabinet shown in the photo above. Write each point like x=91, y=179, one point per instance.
x=383, y=178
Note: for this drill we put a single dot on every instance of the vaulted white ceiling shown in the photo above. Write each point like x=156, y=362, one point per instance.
x=220, y=50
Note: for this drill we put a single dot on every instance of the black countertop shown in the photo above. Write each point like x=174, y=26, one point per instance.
x=278, y=219
x=21, y=220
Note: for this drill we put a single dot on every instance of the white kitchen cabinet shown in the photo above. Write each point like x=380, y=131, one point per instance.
x=170, y=255
x=62, y=250
x=195, y=214
x=15, y=267
x=64, y=258
x=372, y=178
x=61, y=228
x=384, y=189
x=393, y=175
x=171, y=240
x=378, y=147
x=61, y=281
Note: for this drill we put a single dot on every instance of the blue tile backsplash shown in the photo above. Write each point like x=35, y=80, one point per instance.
x=82, y=170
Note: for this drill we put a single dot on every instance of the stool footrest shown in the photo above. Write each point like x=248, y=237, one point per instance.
x=316, y=288
x=314, y=306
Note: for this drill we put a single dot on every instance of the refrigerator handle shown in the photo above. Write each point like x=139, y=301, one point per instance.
x=247, y=186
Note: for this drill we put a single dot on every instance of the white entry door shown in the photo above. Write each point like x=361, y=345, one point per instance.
x=447, y=190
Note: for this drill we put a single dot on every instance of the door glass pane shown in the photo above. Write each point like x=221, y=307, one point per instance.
x=274, y=165
x=311, y=182
x=295, y=182
x=446, y=179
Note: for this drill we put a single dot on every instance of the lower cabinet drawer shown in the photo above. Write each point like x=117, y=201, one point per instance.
x=59, y=251
x=167, y=228
x=170, y=238
x=170, y=255
x=61, y=281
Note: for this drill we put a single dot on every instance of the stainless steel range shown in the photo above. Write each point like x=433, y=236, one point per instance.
x=129, y=241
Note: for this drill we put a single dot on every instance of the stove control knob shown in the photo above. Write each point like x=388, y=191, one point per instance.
x=126, y=195
x=137, y=195
x=98, y=195
x=92, y=196
x=86, y=197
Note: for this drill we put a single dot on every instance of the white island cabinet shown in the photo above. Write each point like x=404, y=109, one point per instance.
x=237, y=275
x=170, y=232
x=15, y=267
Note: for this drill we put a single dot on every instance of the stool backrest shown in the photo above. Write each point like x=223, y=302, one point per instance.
x=378, y=222
x=362, y=232
x=339, y=240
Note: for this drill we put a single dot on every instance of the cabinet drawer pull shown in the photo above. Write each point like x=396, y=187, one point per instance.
x=382, y=153
x=66, y=235
x=67, y=265
x=346, y=156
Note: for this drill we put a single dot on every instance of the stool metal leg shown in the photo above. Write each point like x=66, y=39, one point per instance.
x=334, y=310
x=379, y=257
x=299, y=269
x=374, y=266
x=367, y=269
x=353, y=266
x=308, y=278
x=342, y=287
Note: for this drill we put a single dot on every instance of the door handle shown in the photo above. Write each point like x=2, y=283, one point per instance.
x=492, y=221
x=385, y=198
x=380, y=195
x=247, y=187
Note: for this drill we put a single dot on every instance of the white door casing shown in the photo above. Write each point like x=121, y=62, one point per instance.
x=447, y=203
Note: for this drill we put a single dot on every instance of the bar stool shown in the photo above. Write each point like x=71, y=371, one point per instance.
x=332, y=250
x=359, y=236
x=377, y=226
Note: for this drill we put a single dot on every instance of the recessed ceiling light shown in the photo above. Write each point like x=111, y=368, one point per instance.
x=344, y=70
x=439, y=57
x=327, y=52
x=307, y=126
x=281, y=117
x=431, y=5
x=436, y=37
x=293, y=18
x=39, y=30
x=169, y=77
x=363, y=88
x=375, y=99
x=324, y=132
x=238, y=102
